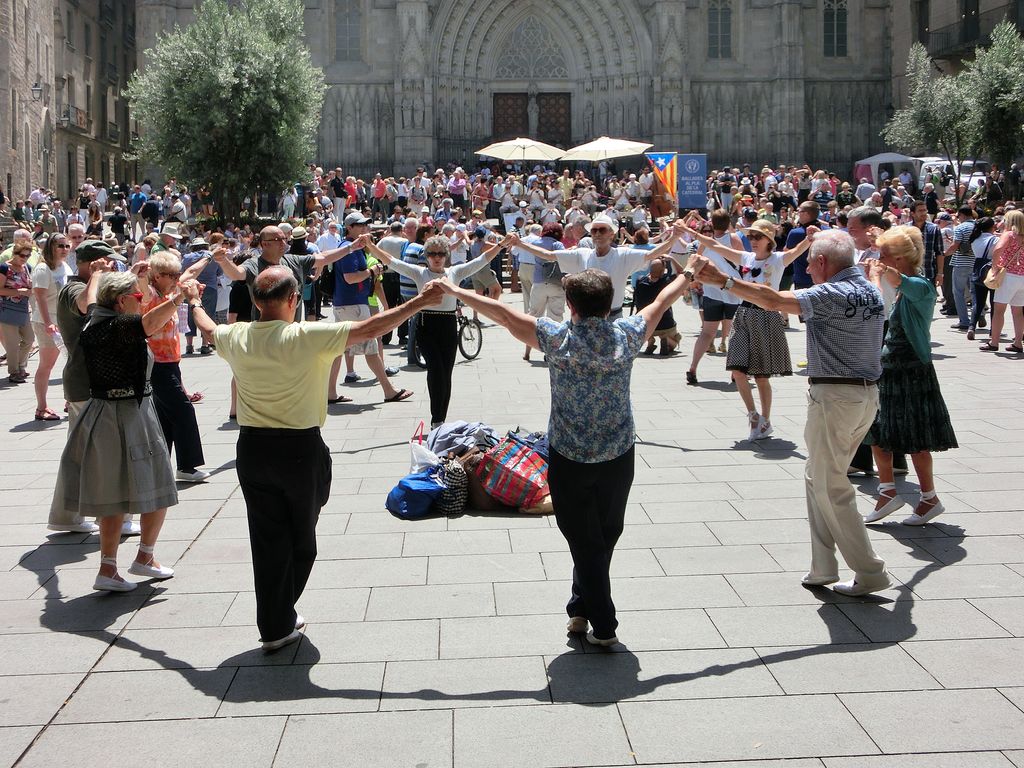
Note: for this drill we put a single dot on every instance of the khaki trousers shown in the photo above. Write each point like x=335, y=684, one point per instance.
x=838, y=417
x=547, y=299
x=526, y=283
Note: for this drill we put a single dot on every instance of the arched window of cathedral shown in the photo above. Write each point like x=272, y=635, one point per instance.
x=719, y=29
x=531, y=52
x=348, y=30
x=835, y=27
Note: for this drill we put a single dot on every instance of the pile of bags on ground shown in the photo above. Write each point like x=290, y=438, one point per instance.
x=462, y=465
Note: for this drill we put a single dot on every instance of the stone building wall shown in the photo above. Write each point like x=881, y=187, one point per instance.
x=417, y=81
x=26, y=124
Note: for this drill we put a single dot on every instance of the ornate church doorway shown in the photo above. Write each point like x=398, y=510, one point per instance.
x=546, y=117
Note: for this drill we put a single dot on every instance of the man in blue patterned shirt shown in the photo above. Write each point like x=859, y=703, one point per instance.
x=591, y=430
x=844, y=315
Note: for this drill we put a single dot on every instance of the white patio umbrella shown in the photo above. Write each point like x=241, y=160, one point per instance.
x=605, y=148
x=521, y=149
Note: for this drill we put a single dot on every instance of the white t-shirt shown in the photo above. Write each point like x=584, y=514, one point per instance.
x=619, y=263
x=764, y=272
x=726, y=267
x=52, y=280
x=458, y=250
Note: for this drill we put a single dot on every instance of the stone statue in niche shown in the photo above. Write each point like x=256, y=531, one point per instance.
x=417, y=113
x=406, y=113
x=532, y=112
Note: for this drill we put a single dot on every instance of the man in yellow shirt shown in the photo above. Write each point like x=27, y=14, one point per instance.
x=284, y=467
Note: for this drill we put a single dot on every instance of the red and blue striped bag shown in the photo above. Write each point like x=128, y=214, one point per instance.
x=513, y=473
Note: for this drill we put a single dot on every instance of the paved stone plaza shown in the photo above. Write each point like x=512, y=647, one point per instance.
x=442, y=642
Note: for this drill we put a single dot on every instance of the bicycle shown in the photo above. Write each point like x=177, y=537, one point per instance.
x=470, y=333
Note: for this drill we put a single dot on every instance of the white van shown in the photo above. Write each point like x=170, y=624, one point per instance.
x=972, y=172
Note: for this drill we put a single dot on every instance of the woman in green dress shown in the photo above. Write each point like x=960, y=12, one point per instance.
x=912, y=416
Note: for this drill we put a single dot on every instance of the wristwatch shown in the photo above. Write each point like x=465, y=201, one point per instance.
x=688, y=274
x=196, y=303
x=729, y=283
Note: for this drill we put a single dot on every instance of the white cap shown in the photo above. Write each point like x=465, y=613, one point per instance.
x=605, y=220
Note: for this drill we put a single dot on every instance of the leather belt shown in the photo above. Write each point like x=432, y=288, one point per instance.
x=840, y=380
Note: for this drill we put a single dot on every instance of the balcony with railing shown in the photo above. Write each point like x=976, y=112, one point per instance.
x=76, y=119
x=957, y=40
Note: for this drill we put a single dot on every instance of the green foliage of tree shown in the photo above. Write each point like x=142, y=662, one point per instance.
x=939, y=114
x=997, y=79
x=232, y=99
x=979, y=111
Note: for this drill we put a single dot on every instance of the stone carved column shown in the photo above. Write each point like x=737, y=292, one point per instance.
x=414, y=118
x=789, y=131
x=671, y=108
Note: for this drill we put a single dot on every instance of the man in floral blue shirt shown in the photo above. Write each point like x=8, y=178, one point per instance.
x=590, y=431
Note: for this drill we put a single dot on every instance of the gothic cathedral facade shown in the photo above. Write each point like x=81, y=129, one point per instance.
x=427, y=82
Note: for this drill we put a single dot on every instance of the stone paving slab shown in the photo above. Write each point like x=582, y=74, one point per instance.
x=442, y=641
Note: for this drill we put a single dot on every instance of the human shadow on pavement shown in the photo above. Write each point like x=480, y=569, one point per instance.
x=595, y=677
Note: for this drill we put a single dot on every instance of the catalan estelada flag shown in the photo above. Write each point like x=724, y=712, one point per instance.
x=664, y=164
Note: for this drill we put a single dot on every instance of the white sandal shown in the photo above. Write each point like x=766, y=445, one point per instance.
x=921, y=519
x=894, y=502
x=148, y=570
x=112, y=583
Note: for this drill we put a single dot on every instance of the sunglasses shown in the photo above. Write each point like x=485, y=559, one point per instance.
x=62, y=245
x=137, y=295
x=756, y=236
x=274, y=240
x=442, y=254
x=600, y=231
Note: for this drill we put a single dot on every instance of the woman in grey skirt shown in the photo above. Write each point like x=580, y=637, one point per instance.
x=757, y=342
x=116, y=461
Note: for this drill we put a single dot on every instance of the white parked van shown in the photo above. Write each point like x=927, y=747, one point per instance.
x=972, y=172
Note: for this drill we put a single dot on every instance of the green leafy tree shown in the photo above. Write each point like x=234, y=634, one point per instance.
x=939, y=116
x=232, y=100
x=997, y=78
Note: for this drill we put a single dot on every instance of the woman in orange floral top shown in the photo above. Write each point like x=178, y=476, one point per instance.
x=173, y=404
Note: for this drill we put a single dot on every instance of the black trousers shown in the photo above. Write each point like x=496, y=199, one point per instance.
x=864, y=459
x=285, y=475
x=982, y=294
x=590, y=505
x=947, y=284
x=393, y=293
x=177, y=416
x=437, y=338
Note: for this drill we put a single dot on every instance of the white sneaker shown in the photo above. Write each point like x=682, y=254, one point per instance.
x=603, y=642
x=576, y=624
x=273, y=645
x=131, y=528
x=300, y=621
x=810, y=580
x=199, y=476
x=855, y=589
x=764, y=428
x=83, y=527
x=754, y=421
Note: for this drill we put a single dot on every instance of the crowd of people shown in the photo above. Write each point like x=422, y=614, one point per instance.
x=115, y=285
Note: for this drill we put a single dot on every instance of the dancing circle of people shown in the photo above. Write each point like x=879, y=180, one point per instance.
x=866, y=294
